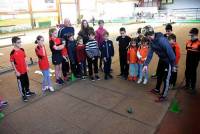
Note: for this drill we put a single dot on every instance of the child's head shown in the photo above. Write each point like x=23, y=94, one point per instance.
x=70, y=37
x=91, y=34
x=106, y=35
x=133, y=42
x=168, y=29
x=39, y=40
x=16, y=41
x=101, y=23
x=52, y=32
x=194, y=34
x=172, y=38
x=79, y=40
x=122, y=31
x=148, y=32
x=145, y=41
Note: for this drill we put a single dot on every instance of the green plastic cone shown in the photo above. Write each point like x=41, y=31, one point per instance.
x=73, y=78
x=175, y=108
x=1, y=115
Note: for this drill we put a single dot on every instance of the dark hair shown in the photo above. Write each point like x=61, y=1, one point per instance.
x=168, y=27
x=38, y=38
x=51, y=30
x=122, y=29
x=15, y=39
x=139, y=30
x=172, y=37
x=105, y=33
x=79, y=38
x=144, y=40
x=91, y=32
x=82, y=24
x=194, y=31
x=133, y=40
x=100, y=21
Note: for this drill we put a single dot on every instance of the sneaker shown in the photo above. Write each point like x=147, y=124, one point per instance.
x=145, y=81
x=161, y=99
x=92, y=78
x=155, y=91
x=120, y=75
x=66, y=78
x=97, y=77
x=25, y=99
x=130, y=78
x=4, y=103
x=134, y=78
x=61, y=81
x=51, y=89
x=109, y=75
x=139, y=81
x=83, y=78
x=29, y=93
x=45, y=88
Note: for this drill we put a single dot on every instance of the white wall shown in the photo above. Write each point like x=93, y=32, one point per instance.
x=182, y=4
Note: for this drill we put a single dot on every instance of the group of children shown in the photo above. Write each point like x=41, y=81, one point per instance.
x=133, y=53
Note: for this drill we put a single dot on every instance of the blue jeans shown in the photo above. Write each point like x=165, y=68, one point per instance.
x=46, y=78
x=133, y=69
x=141, y=74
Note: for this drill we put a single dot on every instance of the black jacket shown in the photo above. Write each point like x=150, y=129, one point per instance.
x=107, y=49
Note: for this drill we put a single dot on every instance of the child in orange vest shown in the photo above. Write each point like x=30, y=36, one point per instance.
x=132, y=60
x=142, y=53
x=176, y=49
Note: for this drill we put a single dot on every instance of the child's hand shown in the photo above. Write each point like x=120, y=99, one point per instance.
x=27, y=68
x=128, y=62
x=17, y=73
x=79, y=63
x=93, y=58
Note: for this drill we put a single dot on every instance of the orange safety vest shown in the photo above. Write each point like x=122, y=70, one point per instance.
x=132, y=55
x=193, y=46
x=143, y=50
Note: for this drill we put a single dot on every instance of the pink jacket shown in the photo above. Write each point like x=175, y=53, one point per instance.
x=99, y=35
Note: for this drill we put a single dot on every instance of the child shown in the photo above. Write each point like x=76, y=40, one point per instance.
x=43, y=62
x=81, y=57
x=124, y=41
x=18, y=61
x=142, y=55
x=132, y=60
x=72, y=54
x=100, y=38
x=92, y=51
x=107, y=54
x=56, y=45
x=192, y=60
x=65, y=62
x=176, y=49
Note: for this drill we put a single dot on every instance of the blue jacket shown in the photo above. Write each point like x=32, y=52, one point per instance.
x=72, y=51
x=107, y=49
x=161, y=46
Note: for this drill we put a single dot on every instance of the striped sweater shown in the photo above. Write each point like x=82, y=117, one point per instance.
x=92, y=49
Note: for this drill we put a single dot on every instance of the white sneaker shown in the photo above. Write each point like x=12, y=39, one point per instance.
x=145, y=81
x=139, y=81
x=45, y=88
x=51, y=89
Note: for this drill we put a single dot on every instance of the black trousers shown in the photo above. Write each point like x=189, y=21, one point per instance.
x=65, y=67
x=73, y=68
x=124, y=67
x=82, y=70
x=192, y=61
x=91, y=64
x=107, y=66
x=173, y=78
x=164, y=75
x=159, y=66
x=23, y=84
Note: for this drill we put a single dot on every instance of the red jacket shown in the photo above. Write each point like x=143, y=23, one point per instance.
x=142, y=52
x=42, y=57
x=80, y=53
x=177, y=52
